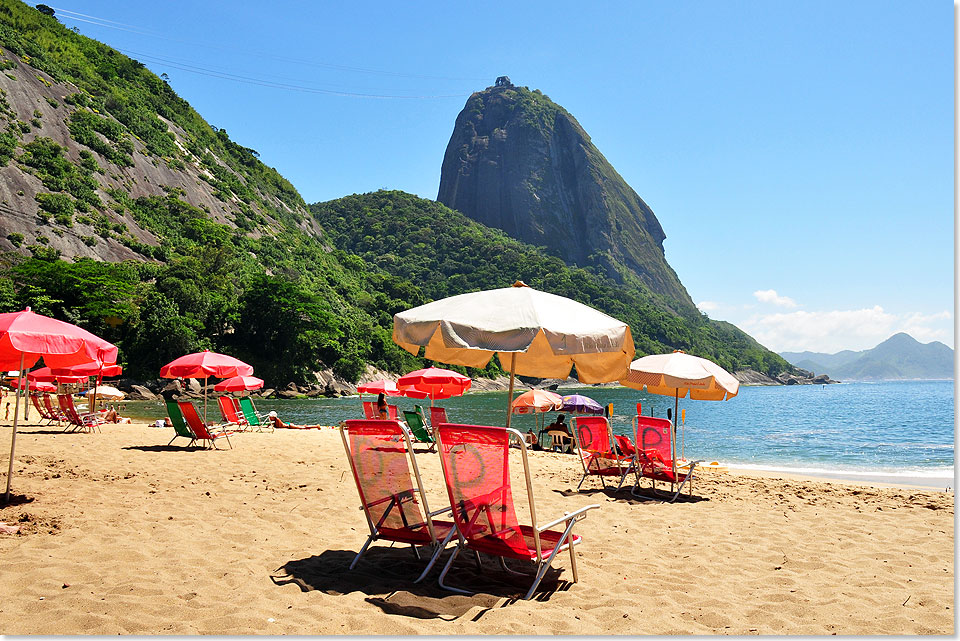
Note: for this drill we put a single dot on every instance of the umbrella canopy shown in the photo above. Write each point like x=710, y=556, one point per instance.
x=379, y=387
x=25, y=337
x=679, y=374
x=434, y=382
x=34, y=386
x=239, y=384
x=533, y=333
x=108, y=392
x=46, y=375
x=581, y=405
x=96, y=368
x=536, y=400
x=204, y=365
x=30, y=336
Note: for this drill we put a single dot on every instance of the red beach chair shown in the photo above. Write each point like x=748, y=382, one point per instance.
x=229, y=412
x=369, y=410
x=475, y=463
x=57, y=415
x=200, y=429
x=437, y=415
x=35, y=399
x=86, y=422
x=393, y=412
x=599, y=454
x=380, y=453
x=654, y=457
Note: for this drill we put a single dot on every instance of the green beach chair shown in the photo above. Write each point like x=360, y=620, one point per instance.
x=418, y=428
x=179, y=425
x=250, y=413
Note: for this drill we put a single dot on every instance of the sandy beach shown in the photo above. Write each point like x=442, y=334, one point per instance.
x=121, y=534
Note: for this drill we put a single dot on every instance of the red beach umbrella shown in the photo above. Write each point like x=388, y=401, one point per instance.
x=97, y=369
x=379, y=387
x=204, y=365
x=46, y=375
x=34, y=386
x=437, y=383
x=536, y=400
x=26, y=336
x=239, y=384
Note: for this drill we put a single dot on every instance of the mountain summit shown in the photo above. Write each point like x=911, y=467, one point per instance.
x=519, y=162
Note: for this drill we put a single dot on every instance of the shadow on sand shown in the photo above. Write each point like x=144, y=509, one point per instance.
x=645, y=494
x=386, y=575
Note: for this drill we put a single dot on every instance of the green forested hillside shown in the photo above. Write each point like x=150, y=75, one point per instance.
x=125, y=212
x=445, y=253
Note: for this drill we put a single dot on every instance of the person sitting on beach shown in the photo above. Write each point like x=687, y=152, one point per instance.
x=558, y=426
x=382, y=406
x=561, y=434
x=111, y=416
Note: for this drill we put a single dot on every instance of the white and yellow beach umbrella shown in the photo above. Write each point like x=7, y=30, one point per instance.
x=533, y=333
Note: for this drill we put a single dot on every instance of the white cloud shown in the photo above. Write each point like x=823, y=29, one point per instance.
x=771, y=296
x=833, y=331
x=708, y=306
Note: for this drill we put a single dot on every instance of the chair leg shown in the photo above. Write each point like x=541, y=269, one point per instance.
x=542, y=571
x=573, y=561
x=446, y=569
x=362, y=550
x=436, y=555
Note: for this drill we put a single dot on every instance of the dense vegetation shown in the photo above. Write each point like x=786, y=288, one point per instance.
x=446, y=253
x=268, y=287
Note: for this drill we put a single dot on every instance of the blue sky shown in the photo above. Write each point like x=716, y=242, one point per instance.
x=799, y=156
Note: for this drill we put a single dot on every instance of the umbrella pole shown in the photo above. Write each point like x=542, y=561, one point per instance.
x=205, y=401
x=13, y=439
x=673, y=441
x=513, y=367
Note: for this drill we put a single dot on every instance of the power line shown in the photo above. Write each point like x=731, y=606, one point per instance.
x=213, y=73
x=110, y=24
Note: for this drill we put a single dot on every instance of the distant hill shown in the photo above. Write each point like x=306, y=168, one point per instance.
x=900, y=357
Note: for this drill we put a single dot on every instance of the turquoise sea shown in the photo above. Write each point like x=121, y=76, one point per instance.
x=901, y=432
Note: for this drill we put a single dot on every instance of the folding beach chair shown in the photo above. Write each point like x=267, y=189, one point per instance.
x=201, y=430
x=35, y=399
x=86, y=422
x=438, y=415
x=58, y=415
x=253, y=417
x=179, y=425
x=418, y=428
x=654, y=458
x=229, y=412
x=475, y=462
x=599, y=454
x=393, y=412
x=381, y=456
x=369, y=410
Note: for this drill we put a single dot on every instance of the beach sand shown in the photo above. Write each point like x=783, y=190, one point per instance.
x=121, y=534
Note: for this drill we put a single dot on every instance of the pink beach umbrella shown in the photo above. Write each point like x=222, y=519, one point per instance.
x=25, y=337
x=46, y=375
x=204, y=365
x=34, y=386
x=435, y=382
x=239, y=384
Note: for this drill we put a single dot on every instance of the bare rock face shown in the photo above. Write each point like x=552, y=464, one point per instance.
x=519, y=162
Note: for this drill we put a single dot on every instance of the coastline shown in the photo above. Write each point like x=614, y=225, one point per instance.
x=122, y=533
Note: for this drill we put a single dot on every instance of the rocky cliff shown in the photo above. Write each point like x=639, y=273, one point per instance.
x=519, y=162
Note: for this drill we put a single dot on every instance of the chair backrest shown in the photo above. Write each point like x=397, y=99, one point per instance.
x=36, y=403
x=393, y=412
x=369, y=411
x=48, y=402
x=66, y=404
x=592, y=434
x=476, y=469
x=437, y=415
x=249, y=413
x=227, y=410
x=416, y=425
x=194, y=422
x=654, y=435
x=176, y=417
x=381, y=458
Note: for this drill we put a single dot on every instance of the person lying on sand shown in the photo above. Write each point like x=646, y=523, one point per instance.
x=278, y=423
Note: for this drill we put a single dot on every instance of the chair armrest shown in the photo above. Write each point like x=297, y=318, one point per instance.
x=578, y=514
x=449, y=508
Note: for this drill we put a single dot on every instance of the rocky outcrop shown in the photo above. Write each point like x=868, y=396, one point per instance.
x=801, y=377
x=519, y=162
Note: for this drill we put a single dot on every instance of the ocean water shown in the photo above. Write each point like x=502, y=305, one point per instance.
x=900, y=432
